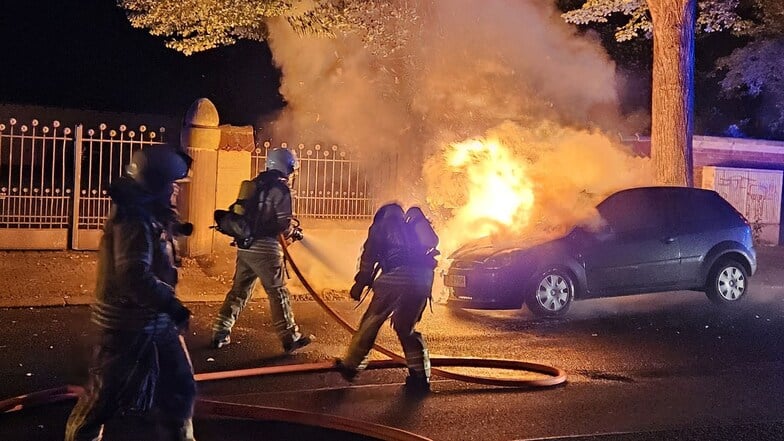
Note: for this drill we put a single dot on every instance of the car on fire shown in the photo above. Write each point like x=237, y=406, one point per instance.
x=652, y=239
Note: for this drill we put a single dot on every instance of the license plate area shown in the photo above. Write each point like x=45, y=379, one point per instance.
x=455, y=280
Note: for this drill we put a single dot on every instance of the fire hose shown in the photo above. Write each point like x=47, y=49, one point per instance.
x=206, y=408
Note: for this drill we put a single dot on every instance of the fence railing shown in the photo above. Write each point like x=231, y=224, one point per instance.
x=104, y=155
x=35, y=167
x=101, y=157
x=54, y=181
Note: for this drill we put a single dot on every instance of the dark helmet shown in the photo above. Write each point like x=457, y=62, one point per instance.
x=156, y=168
x=414, y=213
x=391, y=211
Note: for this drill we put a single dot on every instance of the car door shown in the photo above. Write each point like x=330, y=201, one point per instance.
x=637, y=251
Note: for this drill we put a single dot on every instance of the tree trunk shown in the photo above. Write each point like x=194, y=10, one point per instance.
x=673, y=90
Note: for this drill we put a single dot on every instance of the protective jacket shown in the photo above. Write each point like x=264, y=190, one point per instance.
x=274, y=213
x=386, y=245
x=136, y=272
x=392, y=244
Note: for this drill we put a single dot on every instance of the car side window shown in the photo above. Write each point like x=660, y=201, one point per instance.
x=635, y=211
x=698, y=211
x=706, y=209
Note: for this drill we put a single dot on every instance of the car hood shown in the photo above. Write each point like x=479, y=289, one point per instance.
x=482, y=249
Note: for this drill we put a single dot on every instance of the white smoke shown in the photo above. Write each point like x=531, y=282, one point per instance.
x=472, y=67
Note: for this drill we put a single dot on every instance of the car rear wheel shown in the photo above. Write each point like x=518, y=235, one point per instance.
x=727, y=282
x=553, y=293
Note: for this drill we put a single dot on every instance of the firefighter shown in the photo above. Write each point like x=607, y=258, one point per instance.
x=401, y=291
x=263, y=258
x=141, y=363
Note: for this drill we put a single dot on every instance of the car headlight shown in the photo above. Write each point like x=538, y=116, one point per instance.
x=499, y=261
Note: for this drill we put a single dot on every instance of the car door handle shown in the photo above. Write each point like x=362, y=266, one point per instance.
x=668, y=240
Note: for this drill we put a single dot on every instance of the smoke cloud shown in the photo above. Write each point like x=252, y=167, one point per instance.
x=505, y=69
x=337, y=92
x=469, y=66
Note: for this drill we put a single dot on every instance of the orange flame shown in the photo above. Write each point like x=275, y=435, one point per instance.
x=499, y=194
x=525, y=184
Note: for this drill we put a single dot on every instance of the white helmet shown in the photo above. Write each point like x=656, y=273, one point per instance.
x=282, y=160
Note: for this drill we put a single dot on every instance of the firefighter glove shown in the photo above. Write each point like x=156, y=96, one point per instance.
x=356, y=291
x=179, y=314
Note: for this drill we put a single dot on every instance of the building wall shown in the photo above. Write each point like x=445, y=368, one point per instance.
x=233, y=168
x=754, y=193
x=197, y=201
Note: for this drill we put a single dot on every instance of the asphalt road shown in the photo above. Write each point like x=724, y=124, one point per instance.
x=648, y=367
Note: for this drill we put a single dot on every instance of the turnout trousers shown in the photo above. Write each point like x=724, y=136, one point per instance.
x=401, y=294
x=264, y=262
x=139, y=373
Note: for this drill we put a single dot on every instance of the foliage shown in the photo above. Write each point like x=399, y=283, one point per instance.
x=756, y=232
x=197, y=25
x=755, y=69
x=751, y=70
x=191, y=26
x=713, y=16
x=767, y=17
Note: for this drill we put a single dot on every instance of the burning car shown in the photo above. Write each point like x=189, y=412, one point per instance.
x=652, y=239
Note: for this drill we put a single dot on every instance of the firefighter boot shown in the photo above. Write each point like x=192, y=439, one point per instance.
x=301, y=342
x=417, y=384
x=220, y=340
x=349, y=374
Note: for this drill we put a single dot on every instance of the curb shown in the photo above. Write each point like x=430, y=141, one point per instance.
x=328, y=295
x=84, y=300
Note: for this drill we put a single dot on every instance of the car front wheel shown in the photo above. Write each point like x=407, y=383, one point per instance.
x=553, y=293
x=727, y=282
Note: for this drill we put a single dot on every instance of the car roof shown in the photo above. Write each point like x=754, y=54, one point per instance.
x=670, y=190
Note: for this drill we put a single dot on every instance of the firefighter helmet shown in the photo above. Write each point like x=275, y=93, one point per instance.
x=282, y=160
x=389, y=211
x=156, y=168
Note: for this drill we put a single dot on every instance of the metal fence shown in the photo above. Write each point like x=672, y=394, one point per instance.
x=54, y=181
x=104, y=155
x=101, y=157
x=35, y=171
x=330, y=183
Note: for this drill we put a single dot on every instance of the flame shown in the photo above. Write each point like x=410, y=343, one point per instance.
x=499, y=195
x=525, y=184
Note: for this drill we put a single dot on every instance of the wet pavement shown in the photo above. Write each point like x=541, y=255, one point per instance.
x=659, y=366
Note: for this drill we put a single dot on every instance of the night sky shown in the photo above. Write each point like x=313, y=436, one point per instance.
x=84, y=54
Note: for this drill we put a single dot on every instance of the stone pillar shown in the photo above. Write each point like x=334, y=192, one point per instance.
x=234, y=166
x=201, y=136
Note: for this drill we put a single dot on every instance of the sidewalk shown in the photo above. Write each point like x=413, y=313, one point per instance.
x=61, y=278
